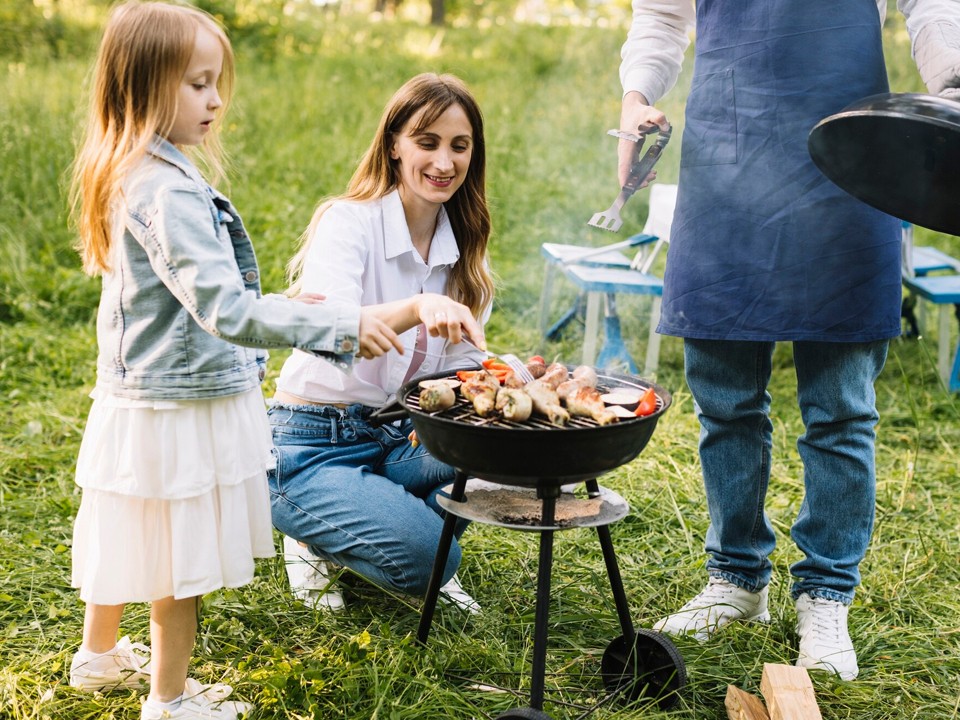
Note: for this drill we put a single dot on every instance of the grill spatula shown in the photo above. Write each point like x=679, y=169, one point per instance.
x=640, y=167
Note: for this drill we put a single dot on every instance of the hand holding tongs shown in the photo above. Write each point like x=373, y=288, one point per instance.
x=640, y=167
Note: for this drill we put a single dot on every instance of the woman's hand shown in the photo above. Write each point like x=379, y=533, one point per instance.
x=634, y=114
x=376, y=337
x=447, y=318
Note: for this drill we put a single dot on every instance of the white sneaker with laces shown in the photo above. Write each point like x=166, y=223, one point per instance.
x=719, y=603
x=824, y=639
x=198, y=702
x=309, y=577
x=126, y=666
x=454, y=594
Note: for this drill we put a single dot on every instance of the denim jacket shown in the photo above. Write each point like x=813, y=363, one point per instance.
x=181, y=313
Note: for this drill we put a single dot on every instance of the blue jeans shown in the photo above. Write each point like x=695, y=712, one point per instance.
x=359, y=496
x=835, y=390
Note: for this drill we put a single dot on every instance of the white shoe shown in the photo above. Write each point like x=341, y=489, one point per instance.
x=126, y=666
x=719, y=603
x=453, y=594
x=309, y=577
x=824, y=639
x=198, y=702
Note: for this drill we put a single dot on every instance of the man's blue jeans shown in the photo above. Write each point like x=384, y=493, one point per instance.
x=835, y=390
x=359, y=496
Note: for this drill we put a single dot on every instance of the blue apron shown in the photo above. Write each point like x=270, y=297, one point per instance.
x=763, y=246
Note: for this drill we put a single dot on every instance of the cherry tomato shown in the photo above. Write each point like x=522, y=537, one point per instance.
x=536, y=359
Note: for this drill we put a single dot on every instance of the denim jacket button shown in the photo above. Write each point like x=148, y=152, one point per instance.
x=250, y=276
x=346, y=345
x=262, y=373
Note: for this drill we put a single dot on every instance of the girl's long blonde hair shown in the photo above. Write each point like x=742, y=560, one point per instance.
x=428, y=95
x=145, y=50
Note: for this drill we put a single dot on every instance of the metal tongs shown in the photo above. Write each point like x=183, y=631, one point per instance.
x=640, y=167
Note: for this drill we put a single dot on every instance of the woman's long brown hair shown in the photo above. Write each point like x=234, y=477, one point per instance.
x=425, y=98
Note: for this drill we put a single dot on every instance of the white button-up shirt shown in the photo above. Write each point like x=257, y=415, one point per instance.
x=362, y=254
x=660, y=33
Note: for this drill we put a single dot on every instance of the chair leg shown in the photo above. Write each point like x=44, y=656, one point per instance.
x=591, y=329
x=653, y=340
x=545, y=296
x=944, y=345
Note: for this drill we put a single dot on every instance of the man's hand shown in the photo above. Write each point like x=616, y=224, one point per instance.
x=937, y=52
x=634, y=114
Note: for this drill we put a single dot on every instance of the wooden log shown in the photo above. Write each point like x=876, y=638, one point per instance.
x=789, y=693
x=741, y=705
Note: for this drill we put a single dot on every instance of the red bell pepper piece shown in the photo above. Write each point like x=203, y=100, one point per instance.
x=647, y=404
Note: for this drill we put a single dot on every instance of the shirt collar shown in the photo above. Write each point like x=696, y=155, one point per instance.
x=397, y=241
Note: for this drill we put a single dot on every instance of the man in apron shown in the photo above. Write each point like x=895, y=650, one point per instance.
x=765, y=249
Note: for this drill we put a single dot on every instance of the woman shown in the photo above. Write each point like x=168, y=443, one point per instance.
x=410, y=234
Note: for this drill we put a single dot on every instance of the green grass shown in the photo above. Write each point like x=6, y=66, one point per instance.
x=303, y=116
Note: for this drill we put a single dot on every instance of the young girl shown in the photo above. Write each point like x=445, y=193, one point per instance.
x=412, y=229
x=174, y=457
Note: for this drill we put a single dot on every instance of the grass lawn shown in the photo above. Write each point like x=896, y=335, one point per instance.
x=302, y=117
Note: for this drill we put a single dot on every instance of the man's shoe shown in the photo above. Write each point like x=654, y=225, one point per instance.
x=824, y=639
x=718, y=604
x=309, y=577
x=198, y=702
x=126, y=666
x=454, y=594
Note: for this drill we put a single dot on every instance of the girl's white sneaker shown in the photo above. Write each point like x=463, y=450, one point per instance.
x=198, y=702
x=126, y=666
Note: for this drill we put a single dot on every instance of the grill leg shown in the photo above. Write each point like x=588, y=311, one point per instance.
x=613, y=572
x=440, y=560
x=544, y=569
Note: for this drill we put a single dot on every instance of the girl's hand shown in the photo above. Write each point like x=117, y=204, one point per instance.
x=376, y=337
x=447, y=318
x=309, y=298
x=634, y=114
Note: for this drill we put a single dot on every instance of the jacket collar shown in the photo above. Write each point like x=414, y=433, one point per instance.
x=397, y=241
x=164, y=150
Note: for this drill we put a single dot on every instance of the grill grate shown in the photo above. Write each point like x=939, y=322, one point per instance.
x=463, y=411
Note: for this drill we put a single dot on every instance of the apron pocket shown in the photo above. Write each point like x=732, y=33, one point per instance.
x=710, y=132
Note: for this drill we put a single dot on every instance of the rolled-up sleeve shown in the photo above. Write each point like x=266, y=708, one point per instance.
x=653, y=52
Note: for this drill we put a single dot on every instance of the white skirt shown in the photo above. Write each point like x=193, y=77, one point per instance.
x=175, y=500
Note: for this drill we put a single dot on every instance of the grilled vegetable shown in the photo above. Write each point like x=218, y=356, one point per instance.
x=437, y=397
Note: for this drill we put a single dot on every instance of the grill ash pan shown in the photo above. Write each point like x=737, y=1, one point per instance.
x=533, y=453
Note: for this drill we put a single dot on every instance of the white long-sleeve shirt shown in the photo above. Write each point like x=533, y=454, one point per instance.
x=660, y=33
x=362, y=254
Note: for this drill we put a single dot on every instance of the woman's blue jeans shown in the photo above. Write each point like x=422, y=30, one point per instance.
x=359, y=496
x=835, y=391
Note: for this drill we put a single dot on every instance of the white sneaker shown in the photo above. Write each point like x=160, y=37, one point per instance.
x=453, y=594
x=126, y=666
x=309, y=577
x=719, y=603
x=824, y=640
x=198, y=702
